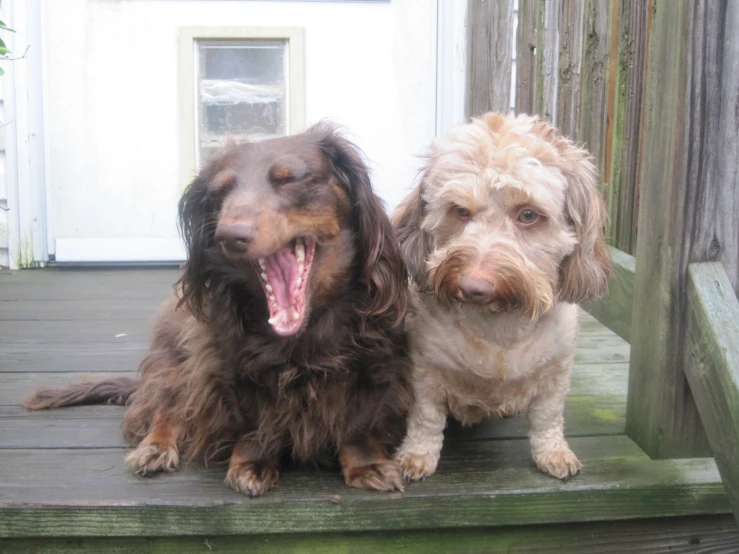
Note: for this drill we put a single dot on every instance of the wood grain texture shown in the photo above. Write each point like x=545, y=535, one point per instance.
x=595, y=70
x=627, y=123
x=714, y=144
x=571, y=18
x=615, y=309
x=546, y=60
x=525, y=56
x=712, y=366
x=70, y=494
x=688, y=210
x=489, y=56
x=656, y=536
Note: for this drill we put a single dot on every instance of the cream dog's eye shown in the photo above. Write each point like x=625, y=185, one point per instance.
x=462, y=213
x=528, y=217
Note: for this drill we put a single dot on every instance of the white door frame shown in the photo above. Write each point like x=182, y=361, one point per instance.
x=29, y=224
x=451, y=63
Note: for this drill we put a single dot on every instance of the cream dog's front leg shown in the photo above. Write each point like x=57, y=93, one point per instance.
x=421, y=448
x=549, y=448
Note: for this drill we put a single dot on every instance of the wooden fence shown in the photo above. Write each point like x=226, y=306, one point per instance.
x=651, y=87
x=580, y=65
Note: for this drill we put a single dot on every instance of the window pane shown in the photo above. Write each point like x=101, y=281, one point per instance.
x=242, y=91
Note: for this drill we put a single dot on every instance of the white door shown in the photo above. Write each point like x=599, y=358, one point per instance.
x=129, y=106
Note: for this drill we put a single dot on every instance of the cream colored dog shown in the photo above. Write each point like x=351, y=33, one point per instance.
x=503, y=238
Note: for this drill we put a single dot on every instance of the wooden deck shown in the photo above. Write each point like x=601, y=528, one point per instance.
x=63, y=486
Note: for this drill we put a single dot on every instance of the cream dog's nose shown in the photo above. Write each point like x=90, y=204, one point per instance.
x=474, y=289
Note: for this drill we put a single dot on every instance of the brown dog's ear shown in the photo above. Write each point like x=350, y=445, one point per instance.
x=415, y=244
x=585, y=272
x=381, y=267
x=197, y=218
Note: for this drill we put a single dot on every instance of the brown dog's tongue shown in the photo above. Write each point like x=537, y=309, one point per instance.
x=282, y=274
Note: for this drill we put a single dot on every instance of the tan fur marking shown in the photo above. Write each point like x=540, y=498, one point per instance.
x=366, y=467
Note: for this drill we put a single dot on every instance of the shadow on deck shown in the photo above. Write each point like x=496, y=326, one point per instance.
x=63, y=486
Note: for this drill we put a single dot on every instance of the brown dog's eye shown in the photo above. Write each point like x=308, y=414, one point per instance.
x=528, y=217
x=462, y=213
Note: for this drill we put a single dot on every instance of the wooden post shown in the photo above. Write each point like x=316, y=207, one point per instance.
x=688, y=209
x=489, y=60
x=525, y=55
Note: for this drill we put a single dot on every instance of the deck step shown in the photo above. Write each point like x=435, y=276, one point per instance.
x=72, y=492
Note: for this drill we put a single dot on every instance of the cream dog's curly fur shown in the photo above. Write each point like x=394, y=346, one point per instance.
x=503, y=237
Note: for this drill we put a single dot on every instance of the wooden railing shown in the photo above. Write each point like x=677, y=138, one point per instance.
x=652, y=88
x=712, y=366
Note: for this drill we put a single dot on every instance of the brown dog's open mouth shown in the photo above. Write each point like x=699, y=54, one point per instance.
x=284, y=276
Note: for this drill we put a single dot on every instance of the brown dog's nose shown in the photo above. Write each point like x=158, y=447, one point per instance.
x=474, y=289
x=236, y=237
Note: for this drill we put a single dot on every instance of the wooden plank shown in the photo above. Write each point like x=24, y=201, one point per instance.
x=547, y=56
x=153, y=293
x=89, y=277
x=525, y=56
x=489, y=56
x=629, y=89
x=56, y=359
x=712, y=366
x=76, y=310
x=688, y=210
x=615, y=309
x=87, y=493
x=571, y=18
x=97, y=332
x=595, y=68
x=99, y=426
x=676, y=535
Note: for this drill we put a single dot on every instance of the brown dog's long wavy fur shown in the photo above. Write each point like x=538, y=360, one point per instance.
x=218, y=380
x=112, y=391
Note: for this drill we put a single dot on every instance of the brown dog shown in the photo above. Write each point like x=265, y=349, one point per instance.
x=284, y=336
x=503, y=237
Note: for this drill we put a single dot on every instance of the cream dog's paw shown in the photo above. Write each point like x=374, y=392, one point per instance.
x=558, y=462
x=417, y=466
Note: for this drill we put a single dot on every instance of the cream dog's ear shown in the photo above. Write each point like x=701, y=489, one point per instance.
x=585, y=272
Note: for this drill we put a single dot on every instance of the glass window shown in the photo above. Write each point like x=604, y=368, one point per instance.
x=241, y=91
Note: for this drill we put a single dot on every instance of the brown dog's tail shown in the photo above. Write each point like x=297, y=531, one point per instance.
x=111, y=391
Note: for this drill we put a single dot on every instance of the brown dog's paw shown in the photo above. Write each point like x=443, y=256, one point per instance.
x=559, y=462
x=252, y=479
x=150, y=458
x=377, y=476
x=417, y=467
